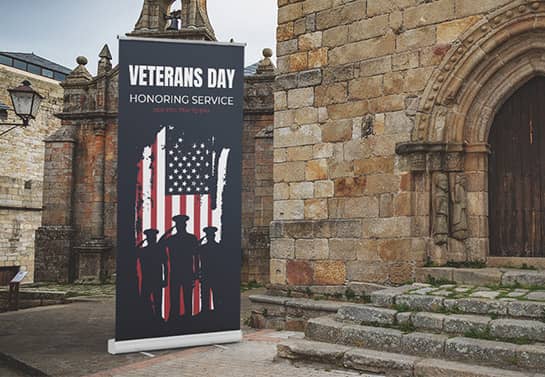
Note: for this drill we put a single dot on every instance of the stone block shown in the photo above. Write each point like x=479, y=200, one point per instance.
x=477, y=306
x=366, y=87
x=316, y=170
x=329, y=272
x=317, y=58
x=374, y=165
x=311, y=351
x=299, y=272
x=474, y=276
x=416, y=38
x=443, y=368
x=463, y=323
x=347, y=110
x=448, y=32
x=339, y=130
x=531, y=357
x=376, y=338
x=290, y=12
x=330, y=93
x=282, y=248
x=518, y=329
x=376, y=66
x=323, y=189
x=468, y=7
x=300, y=97
x=366, y=271
x=525, y=278
x=405, y=60
x=323, y=329
x=428, y=13
x=306, y=115
x=344, y=249
x=335, y=36
x=478, y=350
x=428, y=321
x=350, y=186
x=289, y=210
x=301, y=190
x=363, y=314
x=278, y=271
x=297, y=136
x=368, y=28
x=310, y=41
x=316, y=209
x=375, y=7
x=311, y=249
x=366, y=49
x=380, y=362
x=428, y=345
x=382, y=183
x=416, y=302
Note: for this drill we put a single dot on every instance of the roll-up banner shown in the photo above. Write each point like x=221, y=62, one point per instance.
x=179, y=194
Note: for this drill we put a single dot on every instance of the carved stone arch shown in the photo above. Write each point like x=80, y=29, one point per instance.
x=483, y=68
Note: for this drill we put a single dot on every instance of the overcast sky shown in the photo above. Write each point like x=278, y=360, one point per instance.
x=61, y=30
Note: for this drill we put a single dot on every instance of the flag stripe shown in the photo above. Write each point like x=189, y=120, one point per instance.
x=154, y=188
x=139, y=213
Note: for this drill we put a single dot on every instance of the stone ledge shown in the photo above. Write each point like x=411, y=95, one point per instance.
x=482, y=276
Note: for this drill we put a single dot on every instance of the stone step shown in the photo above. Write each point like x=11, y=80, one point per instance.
x=387, y=363
x=478, y=351
x=482, y=276
x=506, y=329
x=427, y=299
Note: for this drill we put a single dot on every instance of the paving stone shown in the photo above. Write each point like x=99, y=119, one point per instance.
x=527, y=309
x=443, y=368
x=477, y=306
x=531, y=356
x=477, y=276
x=447, y=286
x=442, y=292
x=367, y=315
x=416, y=302
x=462, y=323
x=462, y=290
x=429, y=345
x=518, y=329
x=380, y=362
x=423, y=291
x=428, y=321
x=485, y=351
x=526, y=278
x=536, y=296
x=485, y=294
x=324, y=329
x=376, y=338
x=517, y=294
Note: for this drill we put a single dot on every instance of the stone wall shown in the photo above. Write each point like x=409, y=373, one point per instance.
x=21, y=171
x=355, y=82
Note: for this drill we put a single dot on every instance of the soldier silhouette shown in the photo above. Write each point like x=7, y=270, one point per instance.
x=211, y=268
x=183, y=247
x=153, y=261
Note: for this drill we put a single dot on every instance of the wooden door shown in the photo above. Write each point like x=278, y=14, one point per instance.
x=517, y=174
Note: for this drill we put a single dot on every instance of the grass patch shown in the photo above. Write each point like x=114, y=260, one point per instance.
x=466, y=264
x=402, y=308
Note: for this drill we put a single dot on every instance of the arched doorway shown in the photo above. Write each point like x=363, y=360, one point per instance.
x=517, y=174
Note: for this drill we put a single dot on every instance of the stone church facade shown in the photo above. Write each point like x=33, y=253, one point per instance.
x=382, y=156
x=77, y=239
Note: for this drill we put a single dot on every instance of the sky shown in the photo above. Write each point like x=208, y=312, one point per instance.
x=61, y=30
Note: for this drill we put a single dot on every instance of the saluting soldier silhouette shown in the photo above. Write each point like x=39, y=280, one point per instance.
x=153, y=261
x=211, y=268
x=183, y=247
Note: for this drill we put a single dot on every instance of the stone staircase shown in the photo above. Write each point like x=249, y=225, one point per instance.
x=421, y=330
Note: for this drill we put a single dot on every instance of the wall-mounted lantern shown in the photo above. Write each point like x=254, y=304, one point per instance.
x=26, y=103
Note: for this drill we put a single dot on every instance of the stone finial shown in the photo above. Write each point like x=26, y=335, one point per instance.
x=105, y=62
x=80, y=73
x=266, y=65
x=152, y=17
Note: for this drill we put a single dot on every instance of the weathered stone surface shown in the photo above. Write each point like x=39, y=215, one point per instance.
x=428, y=345
x=462, y=323
x=380, y=362
x=377, y=338
x=324, y=329
x=311, y=249
x=525, y=278
x=531, y=357
x=363, y=314
x=427, y=303
x=443, y=368
x=518, y=329
x=299, y=272
x=536, y=296
x=482, y=277
x=312, y=351
x=428, y=321
x=387, y=297
x=329, y=272
x=478, y=350
x=526, y=309
x=477, y=306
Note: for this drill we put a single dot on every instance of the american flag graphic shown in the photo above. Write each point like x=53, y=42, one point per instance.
x=180, y=176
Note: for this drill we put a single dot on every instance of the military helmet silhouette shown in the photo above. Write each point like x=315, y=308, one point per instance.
x=210, y=230
x=180, y=219
x=151, y=232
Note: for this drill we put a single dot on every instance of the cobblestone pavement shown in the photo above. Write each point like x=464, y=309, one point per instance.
x=253, y=357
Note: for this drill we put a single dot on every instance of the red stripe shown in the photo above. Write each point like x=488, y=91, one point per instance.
x=209, y=198
x=154, y=177
x=139, y=203
x=197, y=215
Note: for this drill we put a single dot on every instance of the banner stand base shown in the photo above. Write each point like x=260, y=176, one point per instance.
x=153, y=344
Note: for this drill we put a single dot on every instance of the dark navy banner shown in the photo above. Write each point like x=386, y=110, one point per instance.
x=179, y=191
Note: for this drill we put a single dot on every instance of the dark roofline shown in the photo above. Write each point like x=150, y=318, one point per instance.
x=37, y=60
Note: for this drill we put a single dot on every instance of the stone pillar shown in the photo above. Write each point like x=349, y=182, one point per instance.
x=54, y=260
